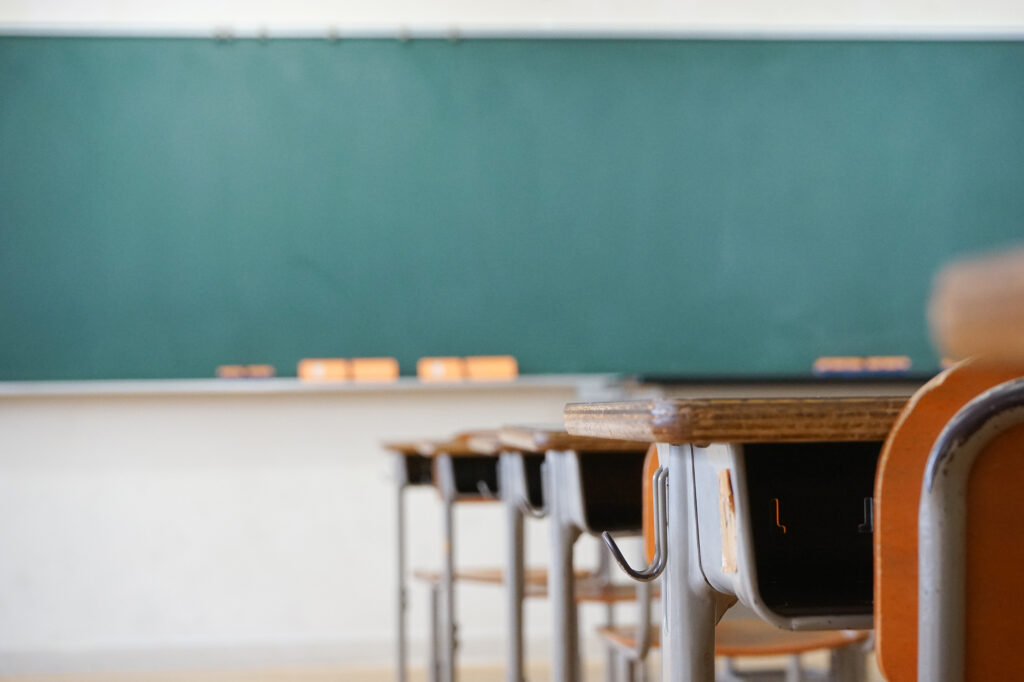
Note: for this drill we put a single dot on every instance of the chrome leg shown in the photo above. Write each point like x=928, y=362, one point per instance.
x=433, y=662
x=688, y=625
x=448, y=628
x=794, y=671
x=402, y=668
x=848, y=664
x=565, y=655
x=514, y=571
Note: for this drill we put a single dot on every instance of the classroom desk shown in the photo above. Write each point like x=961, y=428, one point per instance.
x=521, y=490
x=582, y=493
x=465, y=469
x=411, y=469
x=769, y=502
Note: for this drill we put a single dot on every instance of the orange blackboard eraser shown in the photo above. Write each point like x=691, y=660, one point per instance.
x=441, y=369
x=887, y=363
x=491, y=368
x=374, y=369
x=260, y=371
x=245, y=371
x=324, y=369
x=872, y=364
x=839, y=365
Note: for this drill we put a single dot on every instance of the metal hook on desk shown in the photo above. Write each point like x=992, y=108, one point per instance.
x=525, y=506
x=659, y=484
x=485, y=490
x=524, y=503
x=530, y=509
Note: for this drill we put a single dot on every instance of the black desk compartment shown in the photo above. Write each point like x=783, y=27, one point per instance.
x=809, y=507
x=418, y=470
x=471, y=470
x=612, y=485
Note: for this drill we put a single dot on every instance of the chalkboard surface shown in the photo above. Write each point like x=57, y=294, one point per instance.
x=168, y=205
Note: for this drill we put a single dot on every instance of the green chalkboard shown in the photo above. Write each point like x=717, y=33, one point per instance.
x=168, y=205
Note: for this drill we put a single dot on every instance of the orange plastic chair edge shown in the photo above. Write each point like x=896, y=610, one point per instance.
x=897, y=499
x=650, y=466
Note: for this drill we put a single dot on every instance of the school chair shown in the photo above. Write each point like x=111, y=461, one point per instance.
x=952, y=459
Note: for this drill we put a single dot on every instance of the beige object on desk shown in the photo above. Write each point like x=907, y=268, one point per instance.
x=977, y=308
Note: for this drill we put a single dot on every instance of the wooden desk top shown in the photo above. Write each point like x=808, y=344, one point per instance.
x=402, y=448
x=720, y=420
x=482, y=442
x=544, y=438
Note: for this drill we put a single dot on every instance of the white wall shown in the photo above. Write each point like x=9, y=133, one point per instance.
x=185, y=531
x=530, y=14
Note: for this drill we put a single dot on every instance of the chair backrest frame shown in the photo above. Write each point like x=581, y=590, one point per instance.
x=942, y=524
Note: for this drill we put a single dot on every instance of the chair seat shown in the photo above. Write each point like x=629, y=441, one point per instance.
x=749, y=637
x=494, y=576
x=589, y=589
x=596, y=592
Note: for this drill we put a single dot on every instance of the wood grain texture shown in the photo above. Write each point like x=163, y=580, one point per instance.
x=749, y=637
x=897, y=501
x=545, y=438
x=720, y=420
x=977, y=308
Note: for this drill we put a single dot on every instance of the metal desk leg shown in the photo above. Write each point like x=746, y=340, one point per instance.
x=401, y=671
x=848, y=664
x=565, y=656
x=448, y=627
x=433, y=663
x=688, y=629
x=604, y=574
x=514, y=566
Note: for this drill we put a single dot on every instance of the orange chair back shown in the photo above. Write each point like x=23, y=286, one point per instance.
x=995, y=555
